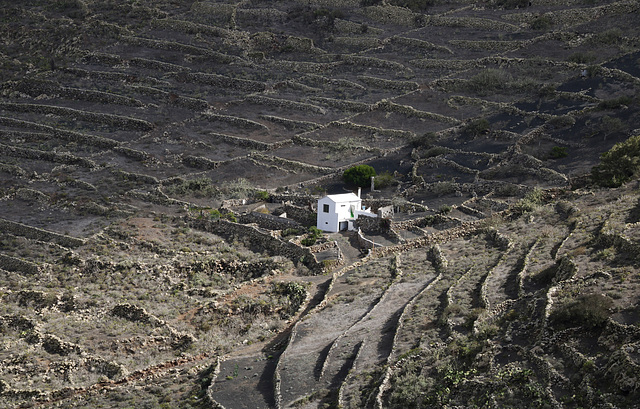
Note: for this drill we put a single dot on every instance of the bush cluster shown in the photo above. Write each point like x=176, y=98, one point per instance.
x=558, y=152
x=582, y=58
x=529, y=202
x=615, y=103
x=543, y=22
x=488, y=81
x=619, y=164
x=313, y=236
x=477, y=127
x=383, y=180
x=588, y=311
x=512, y=4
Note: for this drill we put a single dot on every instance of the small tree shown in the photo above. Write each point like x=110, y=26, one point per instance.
x=359, y=175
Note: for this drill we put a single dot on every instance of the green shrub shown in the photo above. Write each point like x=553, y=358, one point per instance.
x=619, y=164
x=558, y=152
x=609, y=37
x=294, y=294
x=489, y=81
x=199, y=187
x=383, y=180
x=444, y=209
x=315, y=232
x=512, y=4
x=588, y=311
x=477, y=127
x=615, y=103
x=435, y=151
x=313, y=236
x=541, y=23
x=262, y=195
x=581, y=58
x=610, y=125
x=424, y=141
x=444, y=188
x=359, y=175
x=308, y=241
x=237, y=189
x=529, y=202
x=562, y=121
x=290, y=232
x=594, y=70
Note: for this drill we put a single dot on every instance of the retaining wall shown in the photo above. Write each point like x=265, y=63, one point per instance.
x=268, y=221
x=253, y=237
x=29, y=232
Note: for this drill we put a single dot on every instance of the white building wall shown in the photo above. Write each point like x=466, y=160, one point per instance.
x=340, y=209
x=327, y=221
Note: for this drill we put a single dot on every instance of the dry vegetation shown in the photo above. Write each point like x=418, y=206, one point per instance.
x=147, y=148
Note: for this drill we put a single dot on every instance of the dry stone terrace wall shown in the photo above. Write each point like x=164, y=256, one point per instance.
x=107, y=119
x=190, y=91
x=64, y=134
x=372, y=224
x=20, y=229
x=51, y=90
x=302, y=215
x=262, y=241
x=47, y=156
x=268, y=221
x=9, y=263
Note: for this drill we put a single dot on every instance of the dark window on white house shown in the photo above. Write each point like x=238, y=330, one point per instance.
x=325, y=208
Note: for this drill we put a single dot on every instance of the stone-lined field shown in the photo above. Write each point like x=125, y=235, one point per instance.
x=137, y=137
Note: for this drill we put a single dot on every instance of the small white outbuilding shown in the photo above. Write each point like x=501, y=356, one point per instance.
x=338, y=212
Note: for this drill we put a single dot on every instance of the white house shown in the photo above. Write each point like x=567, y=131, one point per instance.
x=337, y=212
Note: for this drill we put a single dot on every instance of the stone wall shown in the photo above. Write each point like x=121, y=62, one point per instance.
x=29, y=232
x=372, y=224
x=254, y=238
x=297, y=200
x=15, y=264
x=438, y=221
x=117, y=121
x=71, y=136
x=464, y=230
x=365, y=243
x=300, y=214
x=268, y=221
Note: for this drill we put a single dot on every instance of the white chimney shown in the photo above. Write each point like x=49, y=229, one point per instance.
x=359, y=191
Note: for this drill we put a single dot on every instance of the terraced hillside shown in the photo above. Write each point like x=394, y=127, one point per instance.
x=148, y=148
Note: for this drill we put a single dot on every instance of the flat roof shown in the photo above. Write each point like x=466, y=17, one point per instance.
x=344, y=197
